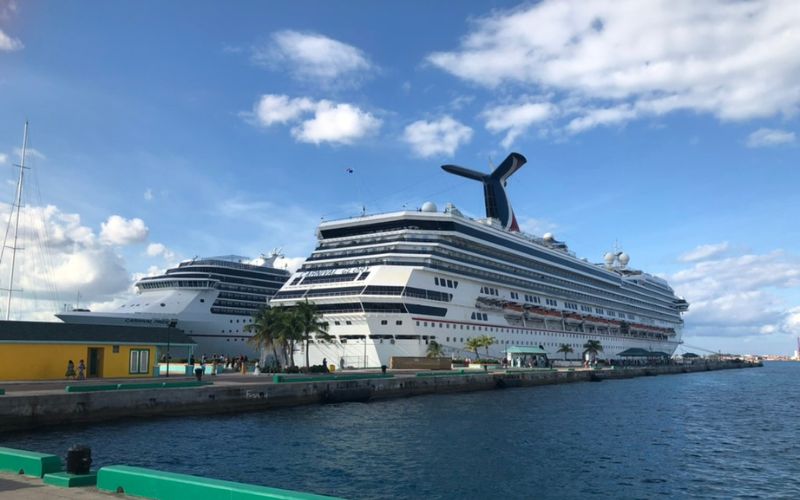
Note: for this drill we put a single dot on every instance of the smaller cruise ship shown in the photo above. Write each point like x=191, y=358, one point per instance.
x=211, y=299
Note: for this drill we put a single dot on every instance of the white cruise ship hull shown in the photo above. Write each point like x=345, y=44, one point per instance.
x=371, y=339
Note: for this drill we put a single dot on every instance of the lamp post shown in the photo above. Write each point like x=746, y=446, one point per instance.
x=170, y=326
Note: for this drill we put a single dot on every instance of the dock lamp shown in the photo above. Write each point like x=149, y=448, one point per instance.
x=172, y=324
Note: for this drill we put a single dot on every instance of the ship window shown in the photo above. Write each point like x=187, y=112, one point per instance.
x=163, y=305
x=337, y=323
x=398, y=322
x=348, y=322
x=202, y=300
x=417, y=323
x=384, y=322
x=436, y=280
x=449, y=283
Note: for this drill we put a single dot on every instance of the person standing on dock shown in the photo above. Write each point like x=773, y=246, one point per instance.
x=70, y=370
x=81, y=370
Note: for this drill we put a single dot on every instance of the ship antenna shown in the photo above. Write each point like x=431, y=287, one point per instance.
x=16, y=206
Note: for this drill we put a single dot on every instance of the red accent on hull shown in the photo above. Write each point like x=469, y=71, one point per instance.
x=514, y=226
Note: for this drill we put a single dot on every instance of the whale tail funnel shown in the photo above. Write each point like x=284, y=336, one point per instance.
x=494, y=184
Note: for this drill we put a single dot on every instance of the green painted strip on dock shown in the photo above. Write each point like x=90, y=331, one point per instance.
x=148, y=483
x=29, y=463
x=282, y=379
x=2, y=391
x=67, y=480
x=448, y=374
x=530, y=370
x=130, y=387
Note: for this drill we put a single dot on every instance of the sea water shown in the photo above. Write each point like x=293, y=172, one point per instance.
x=722, y=434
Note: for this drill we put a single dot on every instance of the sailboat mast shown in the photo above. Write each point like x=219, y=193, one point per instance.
x=17, y=206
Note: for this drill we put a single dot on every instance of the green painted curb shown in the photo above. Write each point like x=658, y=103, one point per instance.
x=132, y=387
x=282, y=379
x=28, y=463
x=446, y=374
x=67, y=480
x=148, y=483
x=2, y=391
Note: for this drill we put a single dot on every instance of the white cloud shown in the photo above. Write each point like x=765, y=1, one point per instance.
x=336, y=123
x=274, y=109
x=121, y=231
x=624, y=59
x=161, y=250
x=3, y=158
x=739, y=296
x=155, y=249
x=315, y=121
x=290, y=263
x=439, y=137
x=591, y=118
x=766, y=137
x=703, y=252
x=29, y=153
x=515, y=119
x=9, y=44
x=148, y=194
x=311, y=56
x=292, y=226
x=61, y=258
x=7, y=9
x=536, y=226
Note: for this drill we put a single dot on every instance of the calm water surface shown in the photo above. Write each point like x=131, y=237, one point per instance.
x=712, y=435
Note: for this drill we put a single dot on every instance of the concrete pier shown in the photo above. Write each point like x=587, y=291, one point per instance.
x=31, y=408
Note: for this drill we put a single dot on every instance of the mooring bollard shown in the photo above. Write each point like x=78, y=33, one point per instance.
x=79, y=459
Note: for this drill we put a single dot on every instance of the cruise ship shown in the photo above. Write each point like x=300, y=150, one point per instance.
x=211, y=299
x=389, y=284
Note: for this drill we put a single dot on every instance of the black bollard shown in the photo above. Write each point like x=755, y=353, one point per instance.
x=383, y=369
x=79, y=459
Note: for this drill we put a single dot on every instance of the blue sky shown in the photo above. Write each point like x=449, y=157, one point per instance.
x=166, y=130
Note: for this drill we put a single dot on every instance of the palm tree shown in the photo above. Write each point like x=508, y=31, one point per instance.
x=487, y=341
x=435, y=350
x=265, y=328
x=566, y=349
x=285, y=328
x=473, y=344
x=308, y=320
x=593, y=347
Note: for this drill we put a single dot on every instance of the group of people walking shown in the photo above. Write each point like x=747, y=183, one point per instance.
x=71, y=370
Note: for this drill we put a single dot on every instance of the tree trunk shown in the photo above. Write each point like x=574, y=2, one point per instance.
x=305, y=338
x=275, y=353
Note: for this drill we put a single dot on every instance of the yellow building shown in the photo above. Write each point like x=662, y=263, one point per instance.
x=31, y=350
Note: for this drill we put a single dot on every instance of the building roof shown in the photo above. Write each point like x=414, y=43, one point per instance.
x=43, y=332
x=526, y=350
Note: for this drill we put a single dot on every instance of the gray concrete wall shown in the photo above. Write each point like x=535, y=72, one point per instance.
x=19, y=412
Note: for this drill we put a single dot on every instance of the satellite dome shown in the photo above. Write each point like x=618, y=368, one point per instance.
x=624, y=258
x=429, y=206
x=609, y=258
x=548, y=237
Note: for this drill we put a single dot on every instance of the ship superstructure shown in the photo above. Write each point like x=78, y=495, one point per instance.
x=211, y=299
x=388, y=284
